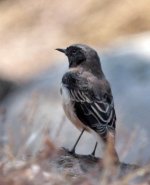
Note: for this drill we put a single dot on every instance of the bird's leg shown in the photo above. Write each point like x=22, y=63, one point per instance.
x=74, y=147
x=93, y=153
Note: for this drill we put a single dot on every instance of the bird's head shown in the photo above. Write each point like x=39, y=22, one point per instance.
x=79, y=54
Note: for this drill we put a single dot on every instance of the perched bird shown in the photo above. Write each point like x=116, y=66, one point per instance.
x=87, y=96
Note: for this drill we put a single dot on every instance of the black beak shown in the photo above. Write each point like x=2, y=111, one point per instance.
x=61, y=50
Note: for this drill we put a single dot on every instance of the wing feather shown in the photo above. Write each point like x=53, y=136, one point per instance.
x=99, y=115
x=93, y=104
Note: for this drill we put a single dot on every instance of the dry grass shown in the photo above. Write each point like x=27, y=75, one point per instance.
x=19, y=167
x=42, y=169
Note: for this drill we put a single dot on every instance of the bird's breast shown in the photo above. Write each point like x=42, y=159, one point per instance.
x=65, y=94
x=68, y=106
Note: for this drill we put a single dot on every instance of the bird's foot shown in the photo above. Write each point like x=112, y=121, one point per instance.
x=71, y=152
x=92, y=155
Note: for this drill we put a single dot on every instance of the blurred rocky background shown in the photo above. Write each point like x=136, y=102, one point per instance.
x=31, y=71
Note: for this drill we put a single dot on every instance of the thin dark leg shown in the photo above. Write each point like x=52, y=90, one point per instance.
x=93, y=153
x=74, y=147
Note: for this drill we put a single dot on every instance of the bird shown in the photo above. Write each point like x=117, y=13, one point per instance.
x=86, y=95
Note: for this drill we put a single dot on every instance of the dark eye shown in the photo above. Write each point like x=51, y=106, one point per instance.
x=74, y=51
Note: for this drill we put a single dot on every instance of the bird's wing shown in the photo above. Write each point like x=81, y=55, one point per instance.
x=95, y=110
